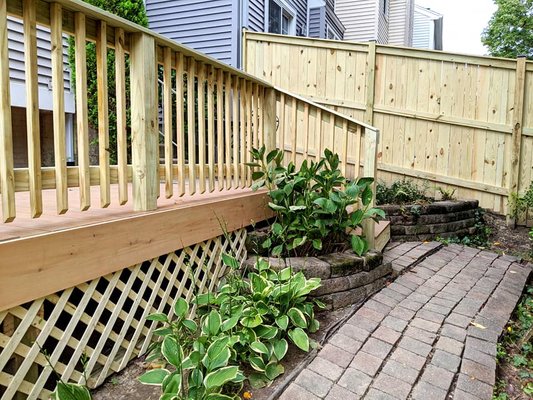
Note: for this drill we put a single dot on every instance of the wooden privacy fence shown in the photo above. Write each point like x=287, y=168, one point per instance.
x=212, y=115
x=459, y=121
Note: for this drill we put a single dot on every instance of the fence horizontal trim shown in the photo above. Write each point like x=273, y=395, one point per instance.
x=38, y=266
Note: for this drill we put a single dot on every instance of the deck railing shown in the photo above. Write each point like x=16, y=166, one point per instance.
x=213, y=115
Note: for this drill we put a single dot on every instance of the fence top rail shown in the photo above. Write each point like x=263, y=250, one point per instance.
x=14, y=8
x=326, y=109
x=498, y=62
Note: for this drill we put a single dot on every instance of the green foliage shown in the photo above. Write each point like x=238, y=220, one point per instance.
x=520, y=204
x=311, y=204
x=480, y=237
x=247, y=323
x=510, y=30
x=446, y=194
x=401, y=192
x=134, y=11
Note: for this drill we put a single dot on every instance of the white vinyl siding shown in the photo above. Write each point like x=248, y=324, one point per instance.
x=400, y=22
x=358, y=18
x=424, y=28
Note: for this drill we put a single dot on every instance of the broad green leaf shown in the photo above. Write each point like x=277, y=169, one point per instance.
x=181, y=307
x=157, y=317
x=154, y=377
x=218, y=354
x=204, y=299
x=172, y=351
x=196, y=377
x=314, y=325
x=317, y=244
x=251, y=321
x=282, y=322
x=299, y=338
x=163, y=331
x=220, y=377
x=172, y=383
x=276, y=207
x=276, y=251
x=359, y=245
x=273, y=370
x=257, y=174
x=72, y=391
x=266, y=244
x=297, y=317
x=297, y=208
x=190, y=325
x=298, y=241
x=267, y=332
x=366, y=196
x=280, y=348
x=259, y=347
x=230, y=261
x=285, y=274
x=277, y=228
x=192, y=360
x=229, y=323
x=212, y=323
x=258, y=380
x=257, y=363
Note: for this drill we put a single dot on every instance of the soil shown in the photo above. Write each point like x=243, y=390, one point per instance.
x=513, y=242
x=125, y=385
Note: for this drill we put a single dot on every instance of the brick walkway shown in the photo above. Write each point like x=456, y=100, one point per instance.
x=431, y=334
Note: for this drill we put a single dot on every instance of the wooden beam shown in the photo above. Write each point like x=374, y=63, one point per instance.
x=7, y=178
x=38, y=266
x=370, y=170
x=370, y=83
x=122, y=139
x=103, y=114
x=518, y=122
x=144, y=125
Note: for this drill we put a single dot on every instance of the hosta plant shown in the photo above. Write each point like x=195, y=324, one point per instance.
x=317, y=209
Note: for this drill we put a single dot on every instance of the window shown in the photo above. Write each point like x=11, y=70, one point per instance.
x=385, y=7
x=332, y=35
x=280, y=18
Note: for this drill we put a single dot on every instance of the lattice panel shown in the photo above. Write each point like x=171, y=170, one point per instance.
x=104, y=319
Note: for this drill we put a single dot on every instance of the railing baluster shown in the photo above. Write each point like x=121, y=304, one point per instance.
x=344, y=154
x=236, y=130
x=306, y=130
x=227, y=111
x=82, y=121
x=32, y=107
x=58, y=94
x=180, y=125
x=191, y=125
x=318, y=132
x=122, y=139
x=7, y=178
x=211, y=127
x=261, y=103
x=249, y=138
x=220, y=129
x=201, y=125
x=242, y=131
x=103, y=113
x=256, y=115
x=294, y=129
x=167, y=113
x=282, y=125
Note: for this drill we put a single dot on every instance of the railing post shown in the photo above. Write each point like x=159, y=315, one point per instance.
x=144, y=122
x=370, y=83
x=370, y=170
x=516, y=143
x=270, y=122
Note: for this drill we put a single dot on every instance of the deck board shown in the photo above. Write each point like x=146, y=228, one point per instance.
x=24, y=226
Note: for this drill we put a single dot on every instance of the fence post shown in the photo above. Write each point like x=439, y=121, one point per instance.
x=516, y=143
x=270, y=118
x=144, y=122
x=370, y=170
x=370, y=83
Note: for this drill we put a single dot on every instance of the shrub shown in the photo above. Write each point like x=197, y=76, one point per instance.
x=247, y=323
x=401, y=192
x=311, y=205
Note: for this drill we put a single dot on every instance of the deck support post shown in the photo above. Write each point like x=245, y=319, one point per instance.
x=270, y=119
x=144, y=125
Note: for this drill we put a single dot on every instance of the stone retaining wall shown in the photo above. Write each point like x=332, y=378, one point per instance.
x=346, y=278
x=426, y=222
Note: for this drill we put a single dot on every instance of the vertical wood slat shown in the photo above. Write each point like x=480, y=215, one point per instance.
x=294, y=129
x=242, y=131
x=269, y=119
x=249, y=133
x=282, y=124
x=58, y=95
x=370, y=170
x=220, y=129
x=256, y=116
x=191, y=145
x=82, y=116
x=180, y=123
x=122, y=139
x=7, y=178
x=211, y=127
x=167, y=114
x=517, y=124
x=306, y=131
x=103, y=114
x=227, y=111
x=235, y=93
x=344, y=154
x=370, y=82
x=144, y=130
x=201, y=126
x=319, y=139
x=32, y=108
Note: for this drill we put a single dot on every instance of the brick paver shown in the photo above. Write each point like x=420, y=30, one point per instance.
x=431, y=334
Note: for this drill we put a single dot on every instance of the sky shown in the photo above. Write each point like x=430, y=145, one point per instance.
x=464, y=20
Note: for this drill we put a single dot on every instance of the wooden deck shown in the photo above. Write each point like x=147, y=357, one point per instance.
x=24, y=226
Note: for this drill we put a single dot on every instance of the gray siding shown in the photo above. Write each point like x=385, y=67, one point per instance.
x=383, y=23
x=256, y=15
x=317, y=28
x=359, y=19
x=209, y=26
x=301, y=19
x=332, y=20
x=400, y=22
x=44, y=61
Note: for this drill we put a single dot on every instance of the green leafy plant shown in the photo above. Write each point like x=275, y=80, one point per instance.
x=248, y=322
x=401, y=192
x=519, y=204
x=446, y=194
x=480, y=236
x=311, y=205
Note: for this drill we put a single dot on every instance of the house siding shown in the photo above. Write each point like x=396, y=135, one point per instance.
x=209, y=26
x=256, y=15
x=422, y=31
x=400, y=22
x=383, y=24
x=332, y=20
x=358, y=18
x=17, y=70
